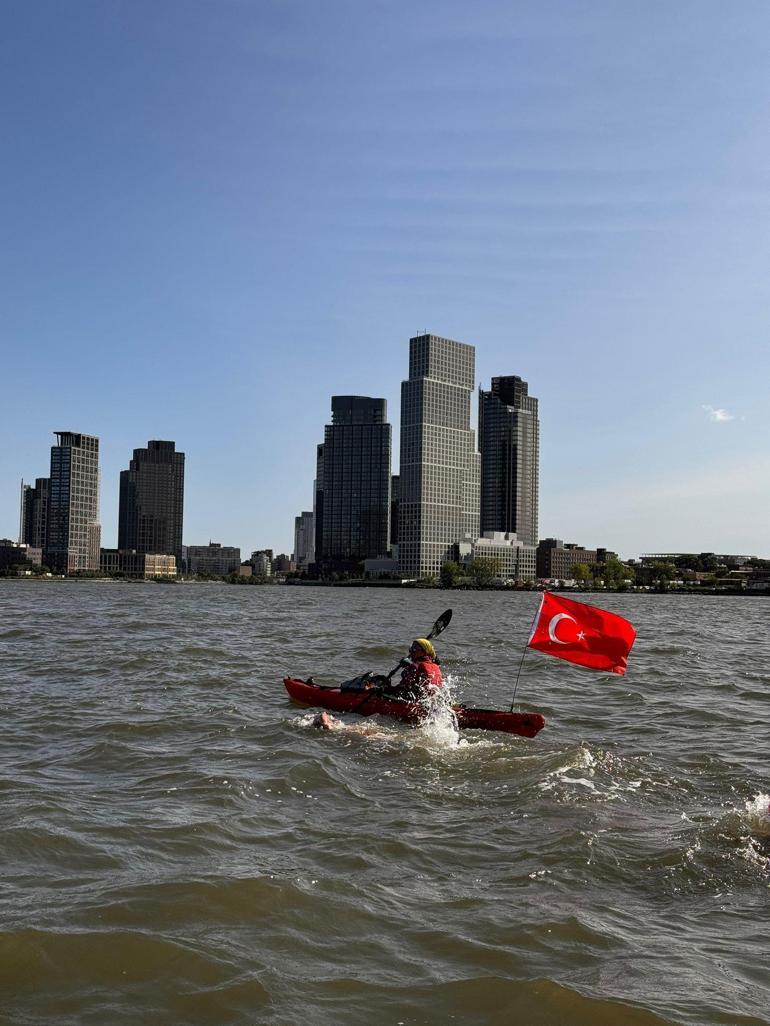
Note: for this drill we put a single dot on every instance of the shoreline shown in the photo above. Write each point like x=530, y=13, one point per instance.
x=411, y=586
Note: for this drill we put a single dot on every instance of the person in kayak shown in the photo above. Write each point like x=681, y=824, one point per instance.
x=422, y=674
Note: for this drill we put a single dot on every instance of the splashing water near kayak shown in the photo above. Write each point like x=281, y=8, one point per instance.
x=440, y=725
x=758, y=815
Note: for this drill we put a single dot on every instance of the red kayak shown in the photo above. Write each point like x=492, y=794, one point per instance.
x=367, y=703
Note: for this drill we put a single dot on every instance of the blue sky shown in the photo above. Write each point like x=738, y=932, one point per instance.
x=217, y=215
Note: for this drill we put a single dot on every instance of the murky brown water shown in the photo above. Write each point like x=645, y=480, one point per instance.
x=179, y=845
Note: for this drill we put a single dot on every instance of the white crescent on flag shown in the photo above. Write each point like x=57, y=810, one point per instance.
x=554, y=623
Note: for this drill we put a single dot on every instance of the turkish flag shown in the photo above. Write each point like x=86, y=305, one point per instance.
x=582, y=634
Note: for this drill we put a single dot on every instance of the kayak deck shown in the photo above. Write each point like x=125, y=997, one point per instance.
x=369, y=703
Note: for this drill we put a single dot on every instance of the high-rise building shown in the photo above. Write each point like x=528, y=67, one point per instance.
x=509, y=437
x=439, y=473
x=73, y=534
x=304, y=539
x=354, y=482
x=34, y=512
x=395, y=491
x=152, y=501
x=318, y=503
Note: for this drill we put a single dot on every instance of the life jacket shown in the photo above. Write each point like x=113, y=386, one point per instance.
x=421, y=676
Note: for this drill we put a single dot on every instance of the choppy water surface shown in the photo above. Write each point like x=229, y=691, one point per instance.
x=180, y=845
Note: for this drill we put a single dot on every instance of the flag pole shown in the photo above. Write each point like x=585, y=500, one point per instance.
x=526, y=645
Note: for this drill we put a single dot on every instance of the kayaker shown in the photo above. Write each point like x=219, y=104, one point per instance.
x=422, y=675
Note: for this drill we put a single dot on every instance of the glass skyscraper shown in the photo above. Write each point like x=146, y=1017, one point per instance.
x=73, y=534
x=353, y=516
x=34, y=513
x=304, y=539
x=318, y=503
x=439, y=474
x=151, y=507
x=509, y=436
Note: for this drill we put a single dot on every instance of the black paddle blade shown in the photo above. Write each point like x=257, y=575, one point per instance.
x=441, y=624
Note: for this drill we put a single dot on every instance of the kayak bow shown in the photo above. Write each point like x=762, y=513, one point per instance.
x=309, y=693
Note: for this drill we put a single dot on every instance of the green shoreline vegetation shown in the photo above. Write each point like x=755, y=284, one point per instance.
x=685, y=574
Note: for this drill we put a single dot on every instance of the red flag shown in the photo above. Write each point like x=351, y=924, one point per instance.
x=582, y=634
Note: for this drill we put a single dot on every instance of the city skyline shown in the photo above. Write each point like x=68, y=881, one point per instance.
x=260, y=211
x=506, y=401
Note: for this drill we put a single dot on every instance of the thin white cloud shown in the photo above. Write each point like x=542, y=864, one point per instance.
x=719, y=416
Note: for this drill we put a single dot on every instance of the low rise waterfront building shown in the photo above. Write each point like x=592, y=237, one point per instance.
x=262, y=562
x=513, y=559
x=283, y=564
x=214, y=559
x=733, y=579
x=702, y=560
x=15, y=554
x=759, y=580
x=382, y=569
x=130, y=563
x=555, y=558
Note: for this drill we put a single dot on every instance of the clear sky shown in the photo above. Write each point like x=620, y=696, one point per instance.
x=216, y=215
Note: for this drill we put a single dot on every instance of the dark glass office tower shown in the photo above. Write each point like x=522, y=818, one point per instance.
x=395, y=492
x=318, y=503
x=34, y=513
x=152, y=501
x=73, y=533
x=355, y=479
x=509, y=436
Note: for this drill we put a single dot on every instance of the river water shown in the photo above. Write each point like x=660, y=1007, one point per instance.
x=180, y=845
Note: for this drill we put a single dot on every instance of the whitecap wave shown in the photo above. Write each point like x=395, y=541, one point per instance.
x=603, y=774
x=758, y=815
